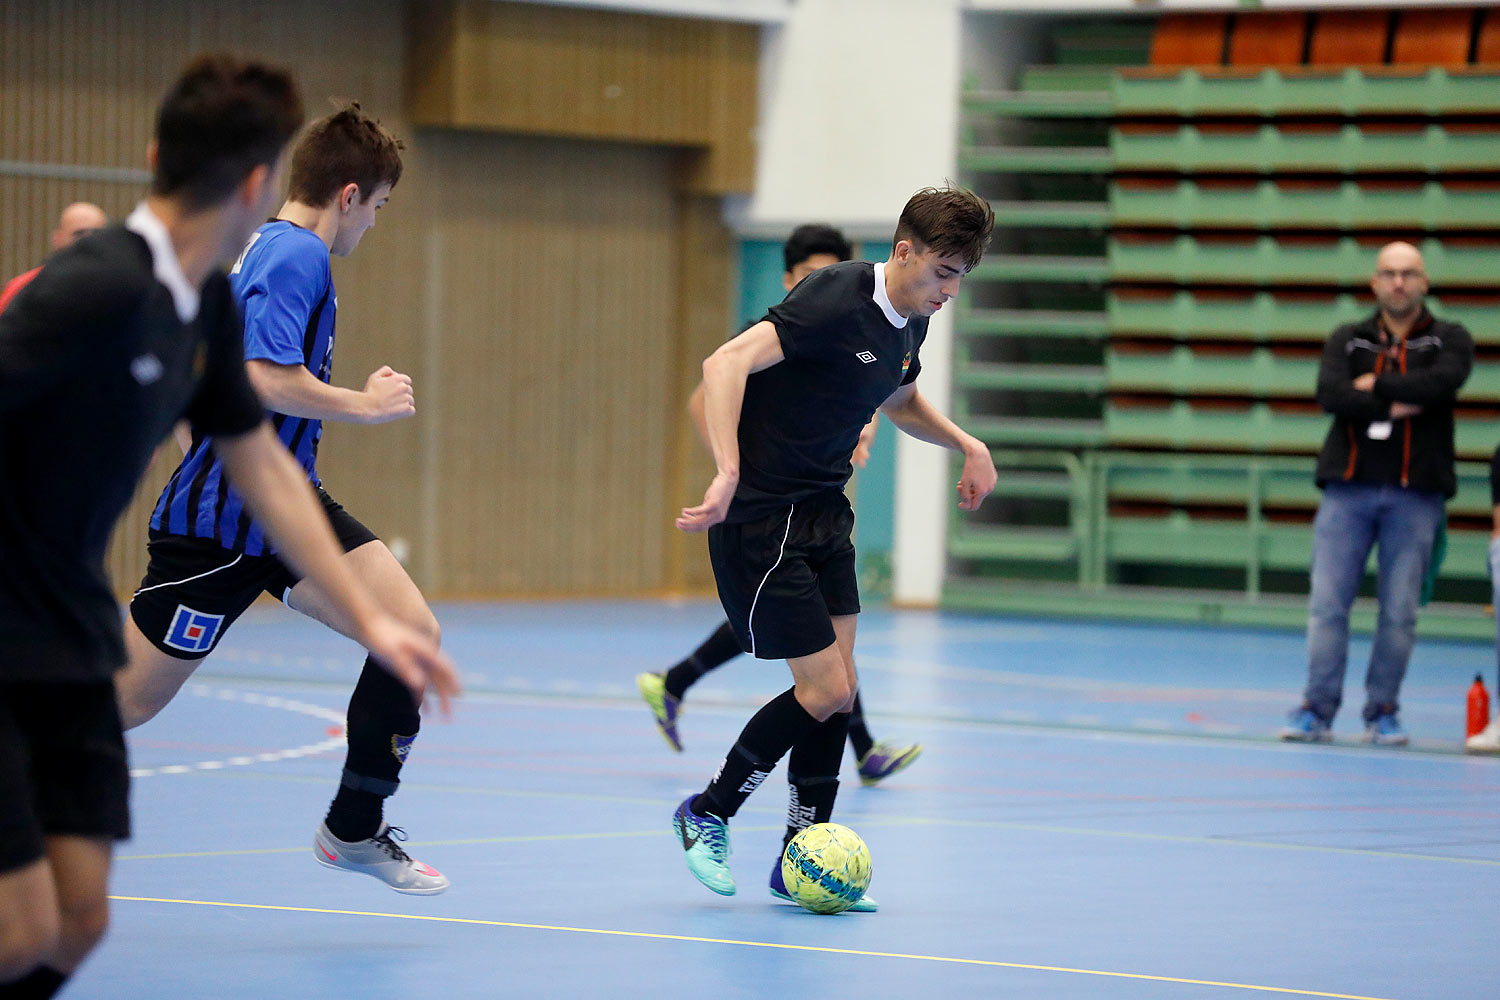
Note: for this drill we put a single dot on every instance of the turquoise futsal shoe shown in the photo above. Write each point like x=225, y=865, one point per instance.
x=705, y=839
x=778, y=889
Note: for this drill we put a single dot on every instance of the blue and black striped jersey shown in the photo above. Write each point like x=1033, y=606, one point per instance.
x=285, y=290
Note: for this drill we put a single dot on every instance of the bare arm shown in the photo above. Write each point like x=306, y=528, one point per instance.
x=297, y=392
x=279, y=497
x=910, y=411
x=724, y=375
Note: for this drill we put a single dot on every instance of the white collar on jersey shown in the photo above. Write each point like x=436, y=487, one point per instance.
x=164, y=263
x=884, y=301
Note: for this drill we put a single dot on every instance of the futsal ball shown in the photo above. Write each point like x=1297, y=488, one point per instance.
x=826, y=868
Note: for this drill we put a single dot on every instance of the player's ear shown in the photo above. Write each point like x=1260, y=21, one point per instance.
x=254, y=184
x=151, y=156
x=348, y=194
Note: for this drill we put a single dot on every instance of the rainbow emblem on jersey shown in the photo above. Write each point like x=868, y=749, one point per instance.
x=826, y=868
x=905, y=364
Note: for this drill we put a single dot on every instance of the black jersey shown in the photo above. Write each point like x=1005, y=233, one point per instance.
x=99, y=356
x=846, y=351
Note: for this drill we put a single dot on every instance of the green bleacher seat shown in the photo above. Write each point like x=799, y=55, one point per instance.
x=1039, y=104
x=1040, y=267
x=1035, y=159
x=1268, y=261
x=1269, y=93
x=1031, y=377
x=1267, y=205
x=1269, y=149
x=1257, y=427
x=1266, y=317
x=1031, y=323
x=1051, y=214
x=1258, y=373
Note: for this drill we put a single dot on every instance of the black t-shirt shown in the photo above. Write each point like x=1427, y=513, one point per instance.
x=95, y=367
x=801, y=418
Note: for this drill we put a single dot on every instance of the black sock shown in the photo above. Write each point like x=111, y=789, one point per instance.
x=717, y=649
x=383, y=723
x=859, y=733
x=813, y=773
x=766, y=738
x=40, y=984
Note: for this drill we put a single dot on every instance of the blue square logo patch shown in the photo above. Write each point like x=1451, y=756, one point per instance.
x=193, y=631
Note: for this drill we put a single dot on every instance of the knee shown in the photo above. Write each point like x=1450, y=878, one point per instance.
x=828, y=696
x=83, y=925
x=25, y=941
x=136, y=707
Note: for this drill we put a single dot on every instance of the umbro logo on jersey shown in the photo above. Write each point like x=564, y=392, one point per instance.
x=865, y=356
x=193, y=631
x=146, y=369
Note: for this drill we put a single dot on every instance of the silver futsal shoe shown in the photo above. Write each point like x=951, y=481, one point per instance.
x=381, y=857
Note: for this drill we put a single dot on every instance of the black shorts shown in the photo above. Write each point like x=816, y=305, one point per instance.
x=781, y=579
x=195, y=588
x=62, y=766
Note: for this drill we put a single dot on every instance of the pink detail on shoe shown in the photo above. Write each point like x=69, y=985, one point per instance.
x=330, y=857
x=427, y=869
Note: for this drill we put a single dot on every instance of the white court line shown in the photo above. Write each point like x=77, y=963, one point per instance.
x=265, y=701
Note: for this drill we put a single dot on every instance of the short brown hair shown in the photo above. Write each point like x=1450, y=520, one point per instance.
x=346, y=147
x=947, y=220
x=222, y=118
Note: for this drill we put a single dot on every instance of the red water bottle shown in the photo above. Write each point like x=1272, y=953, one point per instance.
x=1479, y=707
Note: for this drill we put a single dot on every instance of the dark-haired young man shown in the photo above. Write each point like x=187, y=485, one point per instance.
x=809, y=248
x=117, y=338
x=209, y=558
x=785, y=402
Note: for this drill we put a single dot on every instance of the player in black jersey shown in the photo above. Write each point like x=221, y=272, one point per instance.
x=809, y=248
x=115, y=340
x=785, y=402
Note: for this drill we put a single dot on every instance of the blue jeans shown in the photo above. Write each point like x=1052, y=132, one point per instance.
x=1495, y=587
x=1352, y=518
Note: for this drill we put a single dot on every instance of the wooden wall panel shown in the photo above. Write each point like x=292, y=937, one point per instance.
x=556, y=277
x=549, y=70
x=532, y=288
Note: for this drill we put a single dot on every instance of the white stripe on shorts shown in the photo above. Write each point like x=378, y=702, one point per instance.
x=173, y=583
x=750, y=618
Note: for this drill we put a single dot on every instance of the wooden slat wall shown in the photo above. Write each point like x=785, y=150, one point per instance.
x=532, y=288
x=549, y=70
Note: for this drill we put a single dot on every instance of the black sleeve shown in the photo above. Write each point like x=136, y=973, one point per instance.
x=1439, y=383
x=225, y=404
x=52, y=329
x=804, y=318
x=1336, y=392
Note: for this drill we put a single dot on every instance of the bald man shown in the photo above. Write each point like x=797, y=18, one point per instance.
x=1386, y=471
x=77, y=220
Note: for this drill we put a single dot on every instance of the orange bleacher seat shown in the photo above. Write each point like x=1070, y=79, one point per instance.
x=1487, y=52
x=1433, y=38
x=1349, y=38
x=1183, y=40
x=1268, y=39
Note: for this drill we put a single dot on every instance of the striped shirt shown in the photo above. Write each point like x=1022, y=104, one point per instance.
x=285, y=289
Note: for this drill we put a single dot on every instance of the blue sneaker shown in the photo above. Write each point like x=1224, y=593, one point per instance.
x=778, y=889
x=1385, y=730
x=664, y=707
x=1306, y=726
x=706, y=841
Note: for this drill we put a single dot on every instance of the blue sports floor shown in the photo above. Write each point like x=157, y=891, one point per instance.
x=1102, y=811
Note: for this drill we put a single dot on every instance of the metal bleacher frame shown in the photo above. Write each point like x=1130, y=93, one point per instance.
x=1251, y=171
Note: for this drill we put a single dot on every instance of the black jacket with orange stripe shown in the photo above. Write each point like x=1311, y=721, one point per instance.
x=1426, y=369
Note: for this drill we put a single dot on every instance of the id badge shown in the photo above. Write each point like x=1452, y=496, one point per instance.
x=1380, y=430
